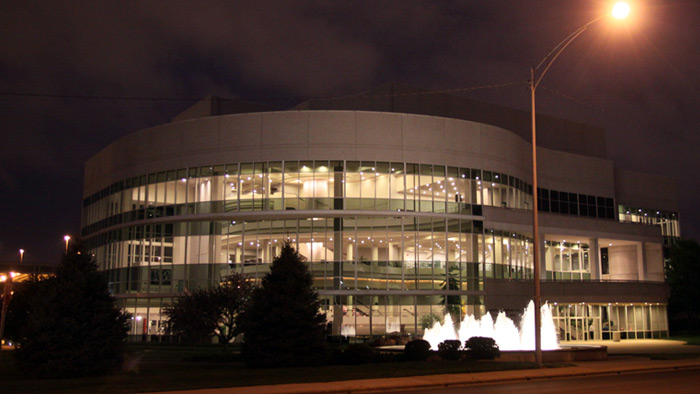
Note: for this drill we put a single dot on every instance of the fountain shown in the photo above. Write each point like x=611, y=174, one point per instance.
x=504, y=331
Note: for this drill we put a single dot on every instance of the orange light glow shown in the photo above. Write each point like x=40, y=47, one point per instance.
x=621, y=10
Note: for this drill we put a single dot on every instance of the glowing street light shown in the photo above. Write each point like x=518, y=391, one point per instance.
x=7, y=294
x=66, y=238
x=620, y=10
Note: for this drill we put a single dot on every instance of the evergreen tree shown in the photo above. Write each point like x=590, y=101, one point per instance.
x=683, y=277
x=72, y=326
x=282, y=326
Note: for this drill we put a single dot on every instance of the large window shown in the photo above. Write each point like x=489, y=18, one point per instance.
x=303, y=185
x=567, y=260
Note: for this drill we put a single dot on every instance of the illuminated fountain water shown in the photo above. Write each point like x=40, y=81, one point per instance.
x=503, y=330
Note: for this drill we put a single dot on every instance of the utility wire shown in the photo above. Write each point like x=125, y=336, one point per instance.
x=290, y=98
x=574, y=99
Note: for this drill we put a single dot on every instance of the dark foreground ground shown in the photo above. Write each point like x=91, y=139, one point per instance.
x=162, y=368
x=152, y=368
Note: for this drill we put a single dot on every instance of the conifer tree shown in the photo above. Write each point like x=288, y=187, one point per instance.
x=683, y=277
x=72, y=326
x=283, y=326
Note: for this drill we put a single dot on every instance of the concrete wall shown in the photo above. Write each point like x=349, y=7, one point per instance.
x=654, y=262
x=340, y=135
x=641, y=190
x=623, y=262
x=514, y=295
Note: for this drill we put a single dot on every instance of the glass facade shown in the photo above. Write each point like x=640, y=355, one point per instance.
x=668, y=221
x=582, y=322
x=320, y=185
x=567, y=261
x=389, y=244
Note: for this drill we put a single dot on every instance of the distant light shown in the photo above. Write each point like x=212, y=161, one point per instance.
x=621, y=10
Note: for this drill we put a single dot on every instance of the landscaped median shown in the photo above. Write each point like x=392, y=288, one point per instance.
x=169, y=367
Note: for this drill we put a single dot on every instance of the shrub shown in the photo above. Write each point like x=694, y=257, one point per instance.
x=204, y=313
x=358, y=353
x=481, y=348
x=449, y=349
x=427, y=321
x=417, y=350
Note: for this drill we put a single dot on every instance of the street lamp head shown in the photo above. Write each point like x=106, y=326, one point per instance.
x=66, y=238
x=620, y=10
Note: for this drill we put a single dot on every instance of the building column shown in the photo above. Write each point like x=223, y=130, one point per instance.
x=641, y=261
x=593, y=258
x=337, y=306
x=543, y=257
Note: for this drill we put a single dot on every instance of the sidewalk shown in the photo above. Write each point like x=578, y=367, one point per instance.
x=616, y=363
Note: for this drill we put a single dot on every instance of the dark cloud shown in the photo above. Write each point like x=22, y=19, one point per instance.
x=640, y=82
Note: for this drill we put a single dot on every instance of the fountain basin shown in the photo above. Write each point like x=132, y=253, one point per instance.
x=565, y=354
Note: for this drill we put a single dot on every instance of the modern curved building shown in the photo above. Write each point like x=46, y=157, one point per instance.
x=404, y=203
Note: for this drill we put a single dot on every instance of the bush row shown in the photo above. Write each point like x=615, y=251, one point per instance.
x=476, y=348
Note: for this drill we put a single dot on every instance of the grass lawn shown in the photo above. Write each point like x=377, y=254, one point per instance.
x=160, y=368
x=690, y=338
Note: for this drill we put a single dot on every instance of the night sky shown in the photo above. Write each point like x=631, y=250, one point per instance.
x=75, y=76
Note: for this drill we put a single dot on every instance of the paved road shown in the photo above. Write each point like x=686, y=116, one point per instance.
x=683, y=381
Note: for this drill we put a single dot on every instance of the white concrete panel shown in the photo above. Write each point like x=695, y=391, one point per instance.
x=240, y=130
x=200, y=135
x=332, y=127
x=173, y=144
x=575, y=173
x=239, y=155
x=623, y=262
x=285, y=153
x=378, y=129
x=654, y=262
x=379, y=154
x=142, y=147
x=285, y=129
x=321, y=152
x=494, y=142
x=462, y=136
x=422, y=156
x=464, y=160
x=423, y=132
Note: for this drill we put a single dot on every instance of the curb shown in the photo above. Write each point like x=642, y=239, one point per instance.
x=453, y=380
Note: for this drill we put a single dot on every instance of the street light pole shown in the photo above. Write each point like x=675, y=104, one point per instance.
x=619, y=11
x=7, y=296
x=66, y=238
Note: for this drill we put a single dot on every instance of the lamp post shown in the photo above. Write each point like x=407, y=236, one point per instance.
x=7, y=295
x=66, y=238
x=620, y=11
